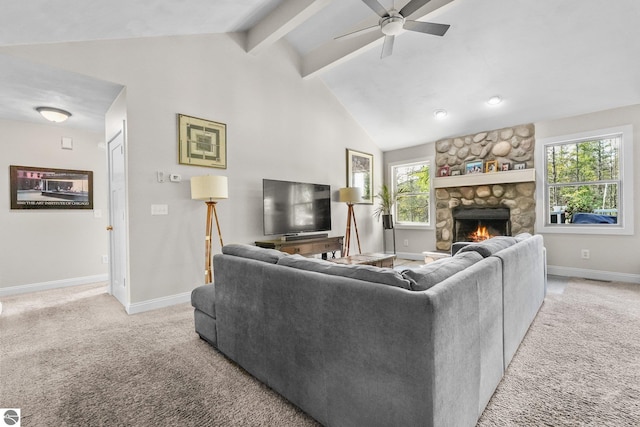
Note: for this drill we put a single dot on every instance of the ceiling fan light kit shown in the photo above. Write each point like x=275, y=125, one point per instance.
x=393, y=23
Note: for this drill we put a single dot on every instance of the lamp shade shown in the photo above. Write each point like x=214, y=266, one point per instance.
x=350, y=195
x=209, y=187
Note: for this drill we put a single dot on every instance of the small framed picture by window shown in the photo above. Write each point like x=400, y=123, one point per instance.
x=519, y=166
x=443, y=170
x=455, y=172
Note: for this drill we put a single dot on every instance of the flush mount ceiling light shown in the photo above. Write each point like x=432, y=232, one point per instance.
x=495, y=100
x=53, y=114
x=440, y=114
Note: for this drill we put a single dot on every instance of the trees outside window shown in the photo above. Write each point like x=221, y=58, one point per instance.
x=590, y=173
x=584, y=176
x=412, y=183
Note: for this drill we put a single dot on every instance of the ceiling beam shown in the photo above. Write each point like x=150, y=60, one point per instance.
x=282, y=20
x=338, y=51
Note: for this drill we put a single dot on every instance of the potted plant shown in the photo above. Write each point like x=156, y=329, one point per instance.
x=386, y=200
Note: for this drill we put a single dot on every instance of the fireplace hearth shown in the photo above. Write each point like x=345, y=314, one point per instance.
x=477, y=224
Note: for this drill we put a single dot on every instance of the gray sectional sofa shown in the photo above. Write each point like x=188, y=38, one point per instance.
x=365, y=346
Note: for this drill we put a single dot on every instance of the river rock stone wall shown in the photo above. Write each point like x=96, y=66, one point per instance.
x=509, y=145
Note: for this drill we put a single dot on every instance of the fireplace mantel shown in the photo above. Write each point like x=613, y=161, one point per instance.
x=505, y=177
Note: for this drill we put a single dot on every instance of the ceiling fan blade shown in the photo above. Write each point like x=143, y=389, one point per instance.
x=412, y=6
x=358, y=32
x=426, y=27
x=387, y=47
x=377, y=7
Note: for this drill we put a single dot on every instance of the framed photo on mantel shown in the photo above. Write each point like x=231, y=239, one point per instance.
x=360, y=173
x=202, y=142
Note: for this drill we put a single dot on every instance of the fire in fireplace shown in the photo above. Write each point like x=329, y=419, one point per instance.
x=477, y=224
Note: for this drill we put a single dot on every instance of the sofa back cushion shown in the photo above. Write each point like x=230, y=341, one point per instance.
x=488, y=247
x=253, y=252
x=367, y=273
x=435, y=272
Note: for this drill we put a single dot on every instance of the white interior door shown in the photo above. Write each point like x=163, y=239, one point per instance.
x=117, y=215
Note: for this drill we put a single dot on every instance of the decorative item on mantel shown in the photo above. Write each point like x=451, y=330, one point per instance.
x=350, y=195
x=210, y=188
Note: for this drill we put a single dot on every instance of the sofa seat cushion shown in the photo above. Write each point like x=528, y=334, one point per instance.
x=435, y=272
x=367, y=273
x=203, y=298
x=488, y=247
x=253, y=252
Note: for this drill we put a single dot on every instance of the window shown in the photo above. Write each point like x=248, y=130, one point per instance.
x=587, y=182
x=412, y=183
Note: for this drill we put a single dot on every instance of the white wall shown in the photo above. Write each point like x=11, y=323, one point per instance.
x=278, y=126
x=612, y=257
x=38, y=247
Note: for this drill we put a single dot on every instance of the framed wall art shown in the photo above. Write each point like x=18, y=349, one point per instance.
x=202, y=142
x=47, y=188
x=443, y=170
x=360, y=173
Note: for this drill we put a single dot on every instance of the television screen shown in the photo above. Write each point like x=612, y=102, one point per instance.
x=295, y=207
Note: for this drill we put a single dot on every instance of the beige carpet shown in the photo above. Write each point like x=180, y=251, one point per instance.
x=74, y=357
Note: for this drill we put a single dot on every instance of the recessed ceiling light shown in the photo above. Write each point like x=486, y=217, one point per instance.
x=53, y=114
x=495, y=100
x=440, y=114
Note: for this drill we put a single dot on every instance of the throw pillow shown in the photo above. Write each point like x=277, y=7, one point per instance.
x=253, y=252
x=489, y=247
x=522, y=236
x=367, y=273
x=435, y=272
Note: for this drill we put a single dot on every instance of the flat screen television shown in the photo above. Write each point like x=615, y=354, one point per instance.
x=295, y=207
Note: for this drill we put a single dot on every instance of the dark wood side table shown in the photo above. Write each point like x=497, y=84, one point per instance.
x=313, y=246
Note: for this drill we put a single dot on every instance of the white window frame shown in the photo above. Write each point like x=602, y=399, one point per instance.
x=392, y=186
x=625, y=217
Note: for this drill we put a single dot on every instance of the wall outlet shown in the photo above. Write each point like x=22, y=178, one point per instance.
x=585, y=254
x=159, y=209
x=406, y=242
x=105, y=259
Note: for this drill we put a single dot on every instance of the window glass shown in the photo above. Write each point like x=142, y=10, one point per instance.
x=584, y=177
x=412, y=183
x=584, y=182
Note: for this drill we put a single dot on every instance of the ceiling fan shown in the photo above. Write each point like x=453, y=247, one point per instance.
x=393, y=22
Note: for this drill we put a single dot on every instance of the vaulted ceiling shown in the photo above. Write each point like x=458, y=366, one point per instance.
x=546, y=59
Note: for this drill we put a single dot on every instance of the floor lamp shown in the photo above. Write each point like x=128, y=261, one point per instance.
x=209, y=188
x=350, y=195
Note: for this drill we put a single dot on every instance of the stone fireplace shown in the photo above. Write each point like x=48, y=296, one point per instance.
x=491, y=203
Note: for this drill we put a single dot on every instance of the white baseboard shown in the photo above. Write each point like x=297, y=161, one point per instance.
x=54, y=284
x=593, y=274
x=153, y=304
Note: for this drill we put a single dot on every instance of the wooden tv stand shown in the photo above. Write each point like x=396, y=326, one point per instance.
x=322, y=245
